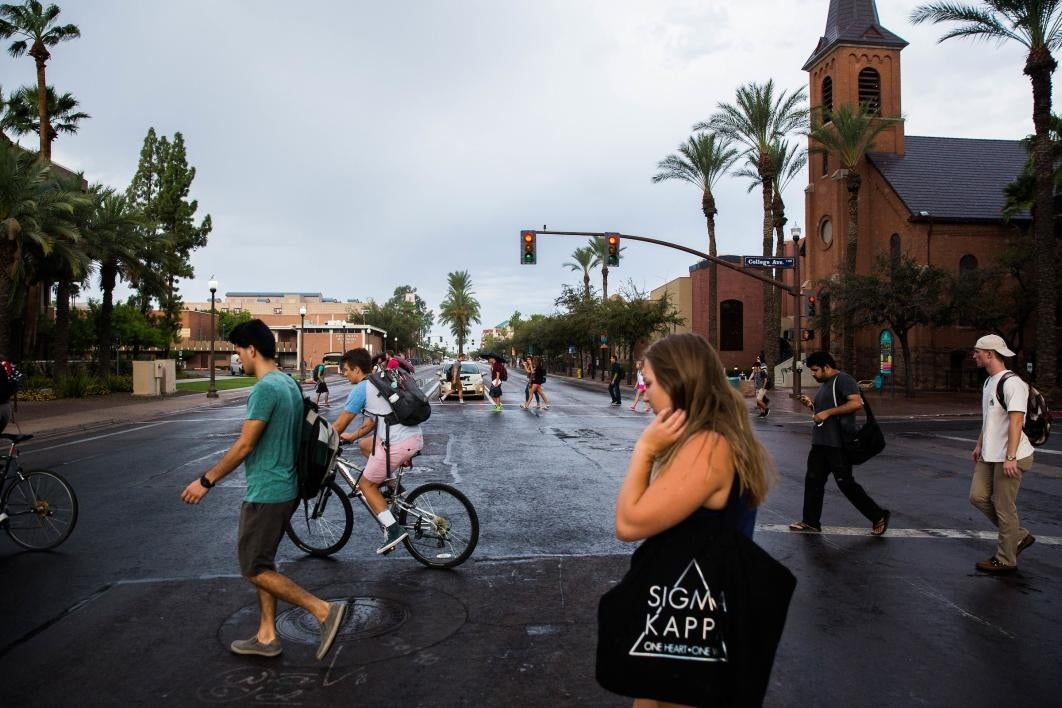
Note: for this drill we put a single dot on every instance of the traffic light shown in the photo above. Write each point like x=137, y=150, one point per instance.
x=528, y=249
x=811, y=309
x=613, y=243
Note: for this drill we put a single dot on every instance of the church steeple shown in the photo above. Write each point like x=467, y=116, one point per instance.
x=853, y=22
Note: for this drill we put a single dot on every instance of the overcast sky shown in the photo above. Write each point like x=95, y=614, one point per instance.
x=350, y=147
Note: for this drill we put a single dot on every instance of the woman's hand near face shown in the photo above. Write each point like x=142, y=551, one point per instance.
x=662, y=432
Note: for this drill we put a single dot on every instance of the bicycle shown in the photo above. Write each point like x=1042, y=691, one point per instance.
x=442, y=523
x=39, y=508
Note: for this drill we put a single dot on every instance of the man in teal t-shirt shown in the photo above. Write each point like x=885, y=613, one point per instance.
x=266, y=448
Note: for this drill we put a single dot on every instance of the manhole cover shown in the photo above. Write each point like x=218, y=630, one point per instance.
x=366, y=617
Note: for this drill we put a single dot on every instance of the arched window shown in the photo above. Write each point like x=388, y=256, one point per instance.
x=967, y=264
x=894, y=250
x=870, y=90
x=731, y=325
x=826, y=232
x=827, y=97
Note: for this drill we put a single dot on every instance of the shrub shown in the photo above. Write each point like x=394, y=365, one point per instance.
x=73, y=386
x=120, y=384
x=97, y=387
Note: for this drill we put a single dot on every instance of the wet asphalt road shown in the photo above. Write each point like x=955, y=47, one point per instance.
x=903, y=620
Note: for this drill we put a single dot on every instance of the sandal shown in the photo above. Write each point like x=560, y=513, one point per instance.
x=804, y=526
x=881, y=526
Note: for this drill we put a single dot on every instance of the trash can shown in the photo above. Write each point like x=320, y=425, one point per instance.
x=735, y=381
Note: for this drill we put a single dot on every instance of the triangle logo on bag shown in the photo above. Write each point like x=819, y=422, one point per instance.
x=682, y=620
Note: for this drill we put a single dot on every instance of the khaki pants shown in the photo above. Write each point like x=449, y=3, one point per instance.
x=996, y=494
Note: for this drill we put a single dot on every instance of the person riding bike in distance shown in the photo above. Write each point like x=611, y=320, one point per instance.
x=376, y=437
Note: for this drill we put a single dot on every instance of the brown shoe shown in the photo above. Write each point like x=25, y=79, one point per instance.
x=995, y=566
x=1025, y=543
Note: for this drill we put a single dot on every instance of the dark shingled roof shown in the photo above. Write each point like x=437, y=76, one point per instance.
x=853, y=22
x=956, y=179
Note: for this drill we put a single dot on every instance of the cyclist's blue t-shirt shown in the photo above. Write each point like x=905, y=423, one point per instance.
x=270, y=467
x=356, y=399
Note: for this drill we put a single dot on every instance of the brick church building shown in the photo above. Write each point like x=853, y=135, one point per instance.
x=936, y=200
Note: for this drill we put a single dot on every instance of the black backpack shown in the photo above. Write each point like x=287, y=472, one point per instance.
x=1037, y=426
x=317, y=451
x=409, y=405
x=9, y=378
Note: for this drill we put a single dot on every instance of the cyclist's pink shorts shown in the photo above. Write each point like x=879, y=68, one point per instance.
x=376, y=466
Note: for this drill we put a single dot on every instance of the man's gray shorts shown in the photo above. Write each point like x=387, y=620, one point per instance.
x=261, y=528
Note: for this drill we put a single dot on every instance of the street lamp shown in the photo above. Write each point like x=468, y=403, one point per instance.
x=212, y=391
x=302, y=359
x=797, y=332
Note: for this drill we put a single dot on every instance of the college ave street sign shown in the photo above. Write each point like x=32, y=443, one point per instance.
x=768, y=261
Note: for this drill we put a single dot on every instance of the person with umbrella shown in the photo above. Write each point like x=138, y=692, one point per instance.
x=498, y=373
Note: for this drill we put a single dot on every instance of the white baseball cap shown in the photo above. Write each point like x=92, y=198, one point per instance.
x=995, y=343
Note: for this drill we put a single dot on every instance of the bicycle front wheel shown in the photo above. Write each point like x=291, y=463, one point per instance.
x=322, y=525
x=442, y=524
x=41, y=510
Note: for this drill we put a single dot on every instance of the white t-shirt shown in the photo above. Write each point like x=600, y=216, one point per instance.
x=996, y=421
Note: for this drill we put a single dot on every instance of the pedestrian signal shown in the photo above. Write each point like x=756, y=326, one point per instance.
x=612, y=242
x=811, y=310
x=528, y=254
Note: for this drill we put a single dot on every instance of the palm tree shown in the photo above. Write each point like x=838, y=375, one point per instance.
x=22, y=117
x=759, y=116
x=701, y=161
x=584, y=259
x=599, y=247
x=117, y=246
x=460, y=309
x=849, y=133
x=35, y=25
x=34, y=216
x=1037, y=26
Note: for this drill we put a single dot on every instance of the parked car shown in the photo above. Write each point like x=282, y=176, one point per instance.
x=471, y=379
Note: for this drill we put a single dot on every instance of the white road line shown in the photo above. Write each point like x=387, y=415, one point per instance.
x=904, y=533
x=934, y=595
x=200, y=459
x=453, y=465
x=95, y=437
x=1039, y=450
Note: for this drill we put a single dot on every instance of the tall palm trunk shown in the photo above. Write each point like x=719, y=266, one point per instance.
x=586, y=283
x=852, y=183
x=105, y=323
x=61, y=343
x=7, y=257
x=40, y=55
x=708, y=207
x=604, y=281
x=771, y=324
x=779, y=221
x=1039, y=67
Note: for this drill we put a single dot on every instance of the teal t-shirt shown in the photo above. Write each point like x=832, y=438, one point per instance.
x=271, y=466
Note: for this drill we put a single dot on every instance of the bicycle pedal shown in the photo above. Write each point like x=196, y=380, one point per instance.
x=389, y=551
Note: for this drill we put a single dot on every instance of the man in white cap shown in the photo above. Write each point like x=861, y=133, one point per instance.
x=1003, y=453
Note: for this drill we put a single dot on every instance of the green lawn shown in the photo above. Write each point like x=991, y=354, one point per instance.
x=221, y=383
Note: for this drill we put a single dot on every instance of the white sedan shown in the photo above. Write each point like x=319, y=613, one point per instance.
x=472, y=382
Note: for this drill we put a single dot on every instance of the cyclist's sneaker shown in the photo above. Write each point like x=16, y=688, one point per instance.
x=253, y=647
x=395, y=535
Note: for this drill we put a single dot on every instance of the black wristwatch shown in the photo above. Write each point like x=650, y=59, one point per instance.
x=206, y=482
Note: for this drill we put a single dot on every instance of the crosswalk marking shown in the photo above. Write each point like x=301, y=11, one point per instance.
x=1039, y=450
x=904, y=533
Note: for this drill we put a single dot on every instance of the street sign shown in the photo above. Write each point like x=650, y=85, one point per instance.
x=768, y=261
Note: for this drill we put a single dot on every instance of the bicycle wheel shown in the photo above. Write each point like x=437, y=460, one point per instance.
x=321, y=526
x=41, y=509
x=442, y=524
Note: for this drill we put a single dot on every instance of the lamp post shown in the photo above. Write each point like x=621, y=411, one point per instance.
x=212, y=391
x=302, y=340
x=797, y=332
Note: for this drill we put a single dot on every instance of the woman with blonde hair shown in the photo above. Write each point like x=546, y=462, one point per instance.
x=696, y=451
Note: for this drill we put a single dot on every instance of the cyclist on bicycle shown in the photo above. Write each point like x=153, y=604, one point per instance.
x=400, y=441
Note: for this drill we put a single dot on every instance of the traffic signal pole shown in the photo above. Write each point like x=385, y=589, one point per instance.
x=793, y=289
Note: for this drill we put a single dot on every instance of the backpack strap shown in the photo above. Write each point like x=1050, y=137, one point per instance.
x=999, y=389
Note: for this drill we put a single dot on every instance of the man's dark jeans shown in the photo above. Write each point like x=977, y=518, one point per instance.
x=823, y=461
x=614, y=391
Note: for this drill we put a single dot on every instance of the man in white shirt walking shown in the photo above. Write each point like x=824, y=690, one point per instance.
x=1002, y=455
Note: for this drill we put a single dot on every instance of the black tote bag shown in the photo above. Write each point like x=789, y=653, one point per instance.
x=862, y=442
x=697, y=618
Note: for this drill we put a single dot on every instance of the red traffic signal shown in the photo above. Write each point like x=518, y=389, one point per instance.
x=528, y=248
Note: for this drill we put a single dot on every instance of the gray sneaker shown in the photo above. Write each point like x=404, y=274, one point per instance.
x=330, y=627
x=395, y=534
x=253, y=647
